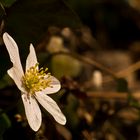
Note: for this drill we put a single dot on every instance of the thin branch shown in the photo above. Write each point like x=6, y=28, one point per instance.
x=132, y=68
x=89, y=61
x=125, y=72
x=112, y=95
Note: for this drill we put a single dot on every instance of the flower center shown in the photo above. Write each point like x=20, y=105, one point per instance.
x=36, y=79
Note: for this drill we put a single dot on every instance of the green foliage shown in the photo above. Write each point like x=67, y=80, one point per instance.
x=71, y=112
x=122, y=85
x=65, y=65
x=28, y=20
x=6, y=80
x=7, y=3
x=4, y=123
x=2, y=12
x=3, y=65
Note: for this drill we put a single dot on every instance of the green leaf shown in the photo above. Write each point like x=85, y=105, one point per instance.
x=65, y=65
x=1, y=138
x=28, y=20
x=71, y=111
x=5, y=123
x=122, y=85
x=5, y=81
x=2, y=11
x=4, y=62
x=7, y=3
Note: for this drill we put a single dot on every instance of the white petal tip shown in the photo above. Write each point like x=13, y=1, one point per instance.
x=31, y=45
x=6, y=37
x=64, y=121
x=32, y=112
x=34, y=125
x=35, y=129
x=4, y=34
x=55, y=86
x=61, y=120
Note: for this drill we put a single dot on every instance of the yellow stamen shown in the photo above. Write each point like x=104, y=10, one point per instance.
x=36, y=79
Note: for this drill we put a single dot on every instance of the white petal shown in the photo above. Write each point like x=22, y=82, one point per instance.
x=13, y=52
x=51, y=106
x=15, y=74
x=32, y=112
x=54, y=86
x=31, y=59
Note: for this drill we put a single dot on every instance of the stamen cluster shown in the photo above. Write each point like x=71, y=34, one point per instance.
x=36, y=79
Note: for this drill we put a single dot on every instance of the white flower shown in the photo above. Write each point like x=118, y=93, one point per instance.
x=34, y=85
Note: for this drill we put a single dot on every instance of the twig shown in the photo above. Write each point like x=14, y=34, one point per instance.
x=113, y=95
x=96, y=64
x=132, y=68
x=89, y=61
x=125, y=72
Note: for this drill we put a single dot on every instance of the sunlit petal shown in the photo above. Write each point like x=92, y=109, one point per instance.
x=53, y=87
x=31, y=59
x=13, y=52
x=51, y=106
x=32, y=112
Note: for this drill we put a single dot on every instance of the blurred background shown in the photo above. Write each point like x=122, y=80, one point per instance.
x=93, y=48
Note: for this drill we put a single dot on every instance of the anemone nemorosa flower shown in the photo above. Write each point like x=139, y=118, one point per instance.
x=34, y=85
